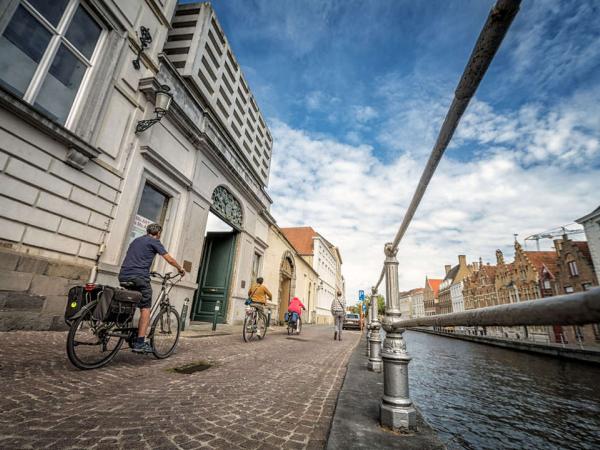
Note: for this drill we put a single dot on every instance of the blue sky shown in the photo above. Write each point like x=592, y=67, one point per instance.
x=355, y=92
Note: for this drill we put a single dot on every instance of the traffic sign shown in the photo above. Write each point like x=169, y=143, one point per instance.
x=361, y=296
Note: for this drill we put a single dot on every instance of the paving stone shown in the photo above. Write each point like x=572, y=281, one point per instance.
x=242, y=401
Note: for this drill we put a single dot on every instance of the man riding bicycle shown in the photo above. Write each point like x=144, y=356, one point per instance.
x=135, y=271
x=257, y=296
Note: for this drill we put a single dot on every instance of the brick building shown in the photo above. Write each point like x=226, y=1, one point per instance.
x=575, y=273
x=430, y=295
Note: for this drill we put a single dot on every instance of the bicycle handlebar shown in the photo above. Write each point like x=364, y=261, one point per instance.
x=167, y=276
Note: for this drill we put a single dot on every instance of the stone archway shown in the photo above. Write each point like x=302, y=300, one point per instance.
x=287, y=282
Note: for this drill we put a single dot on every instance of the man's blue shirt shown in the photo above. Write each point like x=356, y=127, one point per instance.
x=139, y=257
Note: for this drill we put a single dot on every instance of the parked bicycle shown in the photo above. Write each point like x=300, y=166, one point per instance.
x=101, y=325
x=255, y=323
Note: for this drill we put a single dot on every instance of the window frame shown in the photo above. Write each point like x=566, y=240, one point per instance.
x=573, y=269
x=58, y=38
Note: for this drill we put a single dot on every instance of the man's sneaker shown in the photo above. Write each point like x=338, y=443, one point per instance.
x=142, y=347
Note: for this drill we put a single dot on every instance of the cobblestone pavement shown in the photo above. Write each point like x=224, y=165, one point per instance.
x=276, y=393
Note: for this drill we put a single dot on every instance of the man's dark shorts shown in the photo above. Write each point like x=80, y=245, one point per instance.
x=141, y=285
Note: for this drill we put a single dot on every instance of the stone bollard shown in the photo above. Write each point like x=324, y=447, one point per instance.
x=396, y=410
x=375, y=362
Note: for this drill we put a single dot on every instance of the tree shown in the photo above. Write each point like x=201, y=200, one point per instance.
x=380, y=304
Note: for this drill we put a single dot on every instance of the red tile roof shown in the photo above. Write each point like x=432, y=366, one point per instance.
x=434, y=283
x=541, y=259
x=301, y=238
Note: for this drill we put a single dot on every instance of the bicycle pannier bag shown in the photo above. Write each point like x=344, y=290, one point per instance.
x=77, y=298
x=116, y=305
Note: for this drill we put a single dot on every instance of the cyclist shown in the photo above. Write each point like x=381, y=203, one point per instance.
x=295, y=311
x=257, y=296
x=136, y=270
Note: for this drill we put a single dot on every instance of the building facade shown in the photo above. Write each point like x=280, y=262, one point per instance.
x=575, y=273
x=418, y=307
x=430, y=295
x=450, y=294
x=406, y=304
x=287, y=274
x=82, y=176
x=326, y=261
x=591, y=226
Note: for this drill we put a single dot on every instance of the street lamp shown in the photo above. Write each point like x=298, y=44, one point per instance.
x=162, y=101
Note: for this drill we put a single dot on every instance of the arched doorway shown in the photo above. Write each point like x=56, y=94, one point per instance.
x=287, y=283
x=218, y=255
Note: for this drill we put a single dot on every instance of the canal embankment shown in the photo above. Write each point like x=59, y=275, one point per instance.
x=587, y=355
x=355, y=423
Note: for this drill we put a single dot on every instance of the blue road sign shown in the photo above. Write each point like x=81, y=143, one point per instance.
x=361, y=296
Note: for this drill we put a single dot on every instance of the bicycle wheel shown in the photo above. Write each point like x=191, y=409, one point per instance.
x=290, y=329
x=89, y=343
x=299, y=326
x=164, y=333
x=249, y=329
x=261, y=325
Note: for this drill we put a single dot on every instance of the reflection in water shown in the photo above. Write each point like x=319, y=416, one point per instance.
x=483, y=397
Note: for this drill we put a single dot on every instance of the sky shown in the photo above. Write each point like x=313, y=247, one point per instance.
x=355, y=91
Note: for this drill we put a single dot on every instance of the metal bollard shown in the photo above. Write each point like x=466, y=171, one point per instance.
x=375, y=361
x=184, y=311
x=216, y=314
x=396, y=410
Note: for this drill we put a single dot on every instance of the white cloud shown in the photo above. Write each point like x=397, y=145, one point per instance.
x=356, y=202
x=363, y=114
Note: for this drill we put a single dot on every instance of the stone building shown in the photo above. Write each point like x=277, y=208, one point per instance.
x=479, y=289
x=406, y=304
x=418, y=307
x=326, y=261
x=530, y=276
x=575, y=273
x=287, y=274
x=430, y=295
x=91, y=150
x=591, y=225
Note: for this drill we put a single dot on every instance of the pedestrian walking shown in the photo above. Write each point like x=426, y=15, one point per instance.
x=338, y=310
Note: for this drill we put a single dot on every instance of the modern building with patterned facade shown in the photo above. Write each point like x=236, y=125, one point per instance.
x=91, y=151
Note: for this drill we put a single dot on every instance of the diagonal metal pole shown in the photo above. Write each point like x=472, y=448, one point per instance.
x=490, y=38
x=396, y=409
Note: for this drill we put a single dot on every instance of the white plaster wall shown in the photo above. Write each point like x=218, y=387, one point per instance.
x=592, y=234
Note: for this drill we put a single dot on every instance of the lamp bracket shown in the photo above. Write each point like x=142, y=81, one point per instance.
x=145, y=39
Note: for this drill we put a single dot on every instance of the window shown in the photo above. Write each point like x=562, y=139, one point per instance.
x=152, y=209
x=573, y=268
x=546, y=284
x=256, y=266
x=46, y=52
x=568, y=289
x=586, y=286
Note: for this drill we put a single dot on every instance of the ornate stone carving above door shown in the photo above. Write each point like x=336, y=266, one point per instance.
x=225, y=204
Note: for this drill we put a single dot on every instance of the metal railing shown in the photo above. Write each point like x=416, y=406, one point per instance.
x=396, y=409
x=572, y=309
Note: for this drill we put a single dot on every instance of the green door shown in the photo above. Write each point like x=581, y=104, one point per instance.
x=214, y=276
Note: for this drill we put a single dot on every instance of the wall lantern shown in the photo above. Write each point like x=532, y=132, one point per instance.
x=162, y=102
x=145, y=40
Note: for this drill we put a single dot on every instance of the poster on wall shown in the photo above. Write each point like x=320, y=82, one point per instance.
x=139, y=227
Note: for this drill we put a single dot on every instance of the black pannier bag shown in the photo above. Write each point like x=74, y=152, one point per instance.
x=116, y=305
x=78, y=297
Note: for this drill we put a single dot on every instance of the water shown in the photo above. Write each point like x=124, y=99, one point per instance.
x=482, y=397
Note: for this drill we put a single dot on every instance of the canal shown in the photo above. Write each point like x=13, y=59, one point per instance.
x=483, y=397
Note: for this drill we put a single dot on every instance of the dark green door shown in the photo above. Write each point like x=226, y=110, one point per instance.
x=214, y=276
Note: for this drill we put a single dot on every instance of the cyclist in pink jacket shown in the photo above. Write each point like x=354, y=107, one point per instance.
x=295, y=309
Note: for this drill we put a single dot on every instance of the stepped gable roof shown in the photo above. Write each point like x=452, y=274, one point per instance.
x=434, y=284
x=301, y=238
x=541, y=259
x=584, y=249
x=490, y=271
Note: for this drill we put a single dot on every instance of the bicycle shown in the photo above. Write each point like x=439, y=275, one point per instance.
x=294, y=326
x=255, y=323
x=92, y=343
